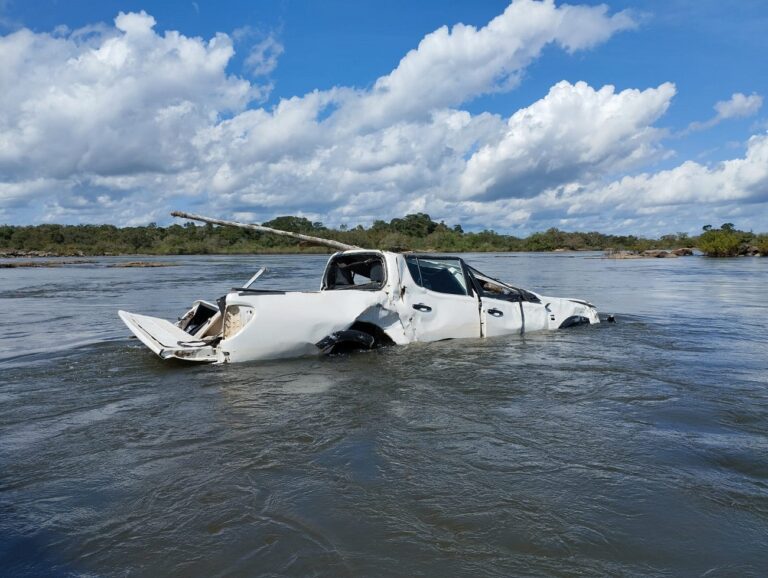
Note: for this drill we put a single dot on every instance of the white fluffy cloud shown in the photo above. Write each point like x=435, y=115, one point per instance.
x=123, y=123
x=744, y=179
x=124, y=101
x=575, y=133
x=451, y=66
x=657, y=203
x=738, y=106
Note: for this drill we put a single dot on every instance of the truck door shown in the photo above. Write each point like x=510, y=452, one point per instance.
x=500, y=317
x=440, y=301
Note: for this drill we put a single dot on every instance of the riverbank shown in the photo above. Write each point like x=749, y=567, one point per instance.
x=64, y=263
x=413, y=232
x=12, y=263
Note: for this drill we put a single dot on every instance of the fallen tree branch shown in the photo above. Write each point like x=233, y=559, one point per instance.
x=262, y=229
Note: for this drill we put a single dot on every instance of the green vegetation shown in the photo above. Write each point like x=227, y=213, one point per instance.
x=761, y=244
x=728, y=241
x=416, y=232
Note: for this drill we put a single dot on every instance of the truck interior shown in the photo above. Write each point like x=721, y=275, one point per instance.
x=365, y=271
x=493, y=288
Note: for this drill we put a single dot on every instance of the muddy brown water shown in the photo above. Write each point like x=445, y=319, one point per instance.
x=634, y=449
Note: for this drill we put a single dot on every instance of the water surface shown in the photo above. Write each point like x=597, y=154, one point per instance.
x=634, y=449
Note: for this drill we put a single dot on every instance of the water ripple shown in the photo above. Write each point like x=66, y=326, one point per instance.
x=635, y=449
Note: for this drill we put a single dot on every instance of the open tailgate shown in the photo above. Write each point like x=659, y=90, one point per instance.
x=167, y=340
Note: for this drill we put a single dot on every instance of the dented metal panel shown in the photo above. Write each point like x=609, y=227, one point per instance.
x=367, y=298
x=166, y=339
x=290, y=324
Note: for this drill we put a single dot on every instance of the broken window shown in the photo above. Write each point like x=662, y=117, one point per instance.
x=440, y=274
x=355, y=271
x=495, y=289
x=202, y=320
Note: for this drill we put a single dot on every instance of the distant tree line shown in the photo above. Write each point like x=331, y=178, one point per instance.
x=415, y=232
x=728, y=241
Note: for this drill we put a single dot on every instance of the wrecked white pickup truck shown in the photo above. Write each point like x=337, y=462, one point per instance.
x=367, y=299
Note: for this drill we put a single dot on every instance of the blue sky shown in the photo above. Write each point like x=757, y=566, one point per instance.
x=634, y=117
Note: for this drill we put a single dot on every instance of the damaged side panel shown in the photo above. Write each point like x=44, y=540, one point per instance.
x=291, y=324
x=576, y=312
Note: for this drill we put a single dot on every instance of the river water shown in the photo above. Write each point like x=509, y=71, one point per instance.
x=633, y=449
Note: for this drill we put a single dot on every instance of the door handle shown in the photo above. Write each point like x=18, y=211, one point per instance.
x=423, y=308
x=496, y=312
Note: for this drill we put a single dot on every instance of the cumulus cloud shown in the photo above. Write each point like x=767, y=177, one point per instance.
x=451, y=66
x=574, y=133
x=122, y=123
x=744, y=179
x=738, y=106
x=116, y=115
x=118, y=102
x=654, y=202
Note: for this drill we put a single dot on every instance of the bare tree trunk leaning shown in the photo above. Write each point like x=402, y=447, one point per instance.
x=309, y=239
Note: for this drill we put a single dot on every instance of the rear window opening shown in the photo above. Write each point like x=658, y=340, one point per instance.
x=364, y=271
x=202, y=320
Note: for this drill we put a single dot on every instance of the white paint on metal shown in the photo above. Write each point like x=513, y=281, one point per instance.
x=272, y=324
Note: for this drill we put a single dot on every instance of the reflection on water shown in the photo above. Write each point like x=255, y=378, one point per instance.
x=631, y=449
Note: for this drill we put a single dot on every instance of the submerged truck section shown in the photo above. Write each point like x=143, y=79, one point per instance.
x=367, y=299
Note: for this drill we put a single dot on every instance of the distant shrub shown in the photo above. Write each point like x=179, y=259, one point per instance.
x=724, y=242
x=761, y=242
